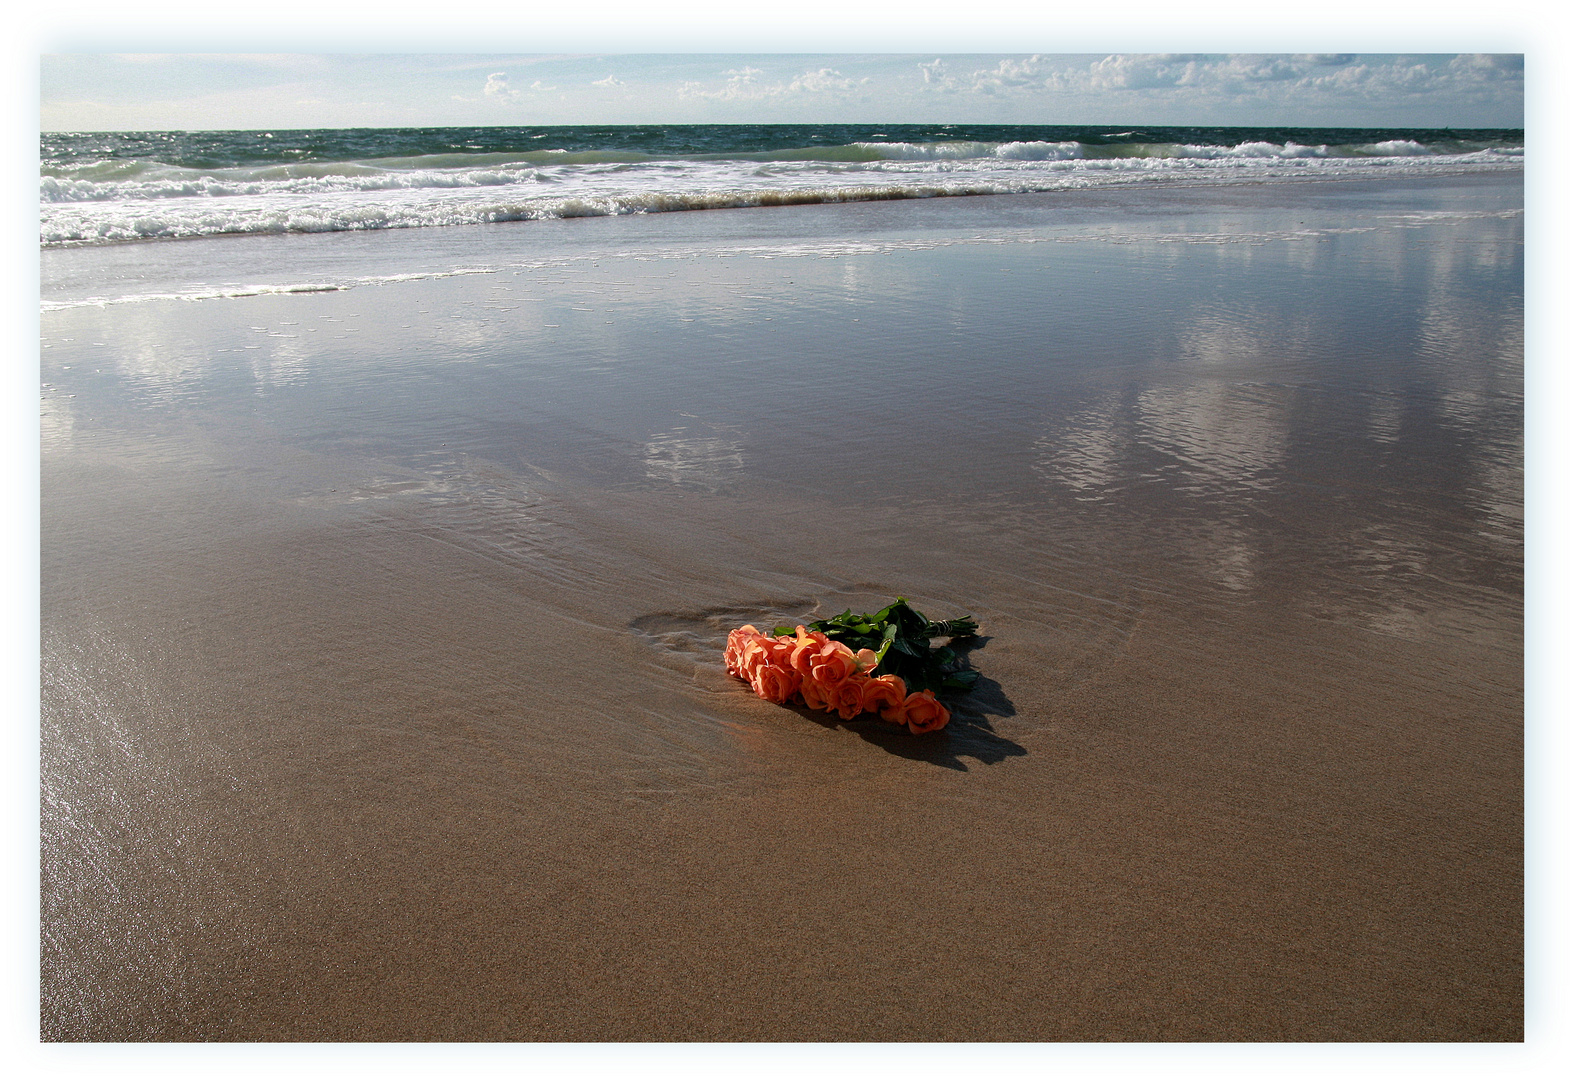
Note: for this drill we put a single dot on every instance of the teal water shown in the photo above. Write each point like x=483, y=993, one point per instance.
x=228, y=149
x=115, y=187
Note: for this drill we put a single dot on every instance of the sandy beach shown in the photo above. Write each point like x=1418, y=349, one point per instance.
x=383, y=695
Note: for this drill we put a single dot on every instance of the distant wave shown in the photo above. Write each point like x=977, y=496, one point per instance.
x=959, y=151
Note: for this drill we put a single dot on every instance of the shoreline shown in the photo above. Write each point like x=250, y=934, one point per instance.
x=1462, y=175
x=359, y=259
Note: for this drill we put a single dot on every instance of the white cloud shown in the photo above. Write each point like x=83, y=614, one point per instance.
x=1479, y=67
x=1143, y=72
x=1009, y=73
x=740, y=86
x=497, y=89
x=743, y=84
x=822, y=81
x=1263, y=85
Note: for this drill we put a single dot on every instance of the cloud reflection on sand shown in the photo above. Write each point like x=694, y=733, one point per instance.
x=1084, y=452
x=56, y=422
x=687, y=459
x=1221, y=437
x=1211, y=443
x=1356, y=458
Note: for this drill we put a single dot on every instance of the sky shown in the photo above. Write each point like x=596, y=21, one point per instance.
x=92, y=91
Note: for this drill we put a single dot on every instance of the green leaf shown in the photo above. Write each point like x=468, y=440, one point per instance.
x=900, y=638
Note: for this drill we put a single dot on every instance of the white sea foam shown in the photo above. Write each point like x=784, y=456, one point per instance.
x=108, y=201
x=1400, y=148
x=1253, y=150
x=974, y=151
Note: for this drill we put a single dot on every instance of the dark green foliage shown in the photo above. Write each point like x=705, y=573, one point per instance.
x=900, y=636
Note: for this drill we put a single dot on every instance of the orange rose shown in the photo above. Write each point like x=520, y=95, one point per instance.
x=847, y=697
x=815, y=695
x=753, y=655
x=774, y=683
x=921, y=712
x=776, y=651
x=832, y=664
x=733, y=655
x=885, y=694
x=779, y=652
x=805, y=644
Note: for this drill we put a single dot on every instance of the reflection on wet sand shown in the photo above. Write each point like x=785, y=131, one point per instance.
x=1391, y=486
x=687, y=459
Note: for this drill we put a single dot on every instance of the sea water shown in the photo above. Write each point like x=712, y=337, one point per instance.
x=98, y=187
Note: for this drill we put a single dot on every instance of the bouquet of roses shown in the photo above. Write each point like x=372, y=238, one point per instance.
x=853, y=664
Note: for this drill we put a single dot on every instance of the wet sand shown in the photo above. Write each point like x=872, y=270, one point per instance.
x=382, y=685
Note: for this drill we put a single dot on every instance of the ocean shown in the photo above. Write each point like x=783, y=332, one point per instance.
x=108, y=187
